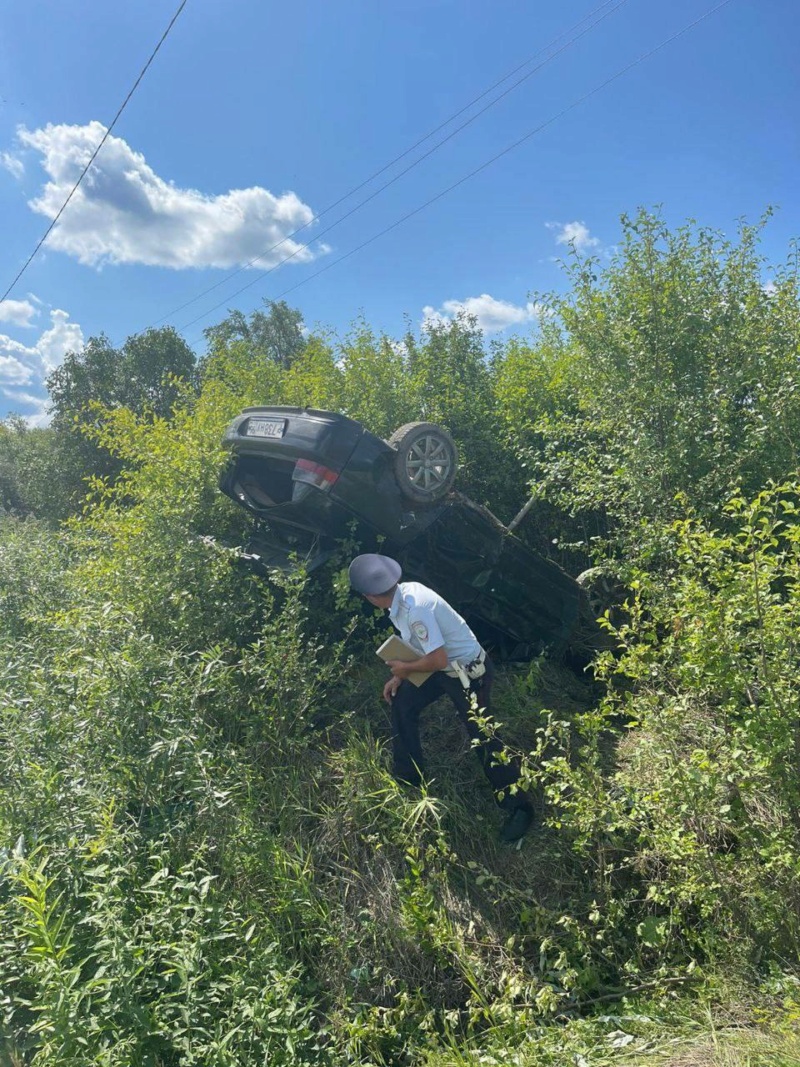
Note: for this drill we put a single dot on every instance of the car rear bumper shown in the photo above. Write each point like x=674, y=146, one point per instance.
x=300, y=433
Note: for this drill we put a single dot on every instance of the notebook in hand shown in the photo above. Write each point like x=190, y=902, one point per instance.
x=395, y=647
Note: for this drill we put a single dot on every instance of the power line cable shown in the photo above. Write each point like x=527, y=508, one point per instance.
x=83, y=173
x=575, y=30
x=509, y=148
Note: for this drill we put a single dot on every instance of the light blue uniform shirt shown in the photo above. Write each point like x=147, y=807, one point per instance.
x=427, y=622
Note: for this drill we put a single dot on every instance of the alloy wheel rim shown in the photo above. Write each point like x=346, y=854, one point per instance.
x=428, y=463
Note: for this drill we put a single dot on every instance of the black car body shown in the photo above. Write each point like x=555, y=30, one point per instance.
x=311, y=478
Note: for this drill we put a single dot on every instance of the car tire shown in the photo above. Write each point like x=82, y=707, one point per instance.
x=426, y=462
x=604, y=592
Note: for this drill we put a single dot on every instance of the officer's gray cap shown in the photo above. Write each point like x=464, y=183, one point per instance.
x=374, y=575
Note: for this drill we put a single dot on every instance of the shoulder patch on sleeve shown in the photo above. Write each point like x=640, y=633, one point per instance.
x=420, y=630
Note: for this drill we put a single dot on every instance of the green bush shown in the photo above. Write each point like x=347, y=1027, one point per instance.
x=679, y=791
x=202, y=856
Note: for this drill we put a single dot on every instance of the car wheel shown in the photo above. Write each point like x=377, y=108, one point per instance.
x=426, y=462
x=604, y=591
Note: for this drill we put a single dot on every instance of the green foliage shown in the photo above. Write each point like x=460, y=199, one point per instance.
x=140, y=376
x=678, y=790
x=315, y=378
x=32, y=578
x=147, y=376
x=126, y=960
x=126, y=937
x=672, y=369
x=450, y=381
x=716, y=723
x=275, y=336
x=44, y=471
x=202, y=857
x=41, y=471
x=375, y=388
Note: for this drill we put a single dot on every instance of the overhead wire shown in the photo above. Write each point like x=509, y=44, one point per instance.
x=93, y=156
x=493, y=159
x=577, y=31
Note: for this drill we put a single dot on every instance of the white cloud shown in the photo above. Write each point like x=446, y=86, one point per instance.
x=62, y=337
x=491, y=315
x=24, y=398
x=12, y=370
x=12, y=164
x=123, y=212
x=30, y=364
x=17, y=312
x=39, y=416
x=575, y=234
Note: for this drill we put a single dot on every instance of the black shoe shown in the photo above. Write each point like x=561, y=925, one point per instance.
x=517, y=825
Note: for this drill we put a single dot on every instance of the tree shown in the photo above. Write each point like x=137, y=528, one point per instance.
x=140, y=376
x=40, y=470
x=670, y=372
x=276, y=333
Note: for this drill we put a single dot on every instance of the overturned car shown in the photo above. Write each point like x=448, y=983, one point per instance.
x=311, y=478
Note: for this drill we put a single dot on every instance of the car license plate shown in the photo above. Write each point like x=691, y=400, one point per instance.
x=265, y=427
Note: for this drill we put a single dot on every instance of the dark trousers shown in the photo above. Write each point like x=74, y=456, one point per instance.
x=409, y=701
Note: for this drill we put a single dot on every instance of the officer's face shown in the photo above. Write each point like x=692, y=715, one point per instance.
x=384, y=600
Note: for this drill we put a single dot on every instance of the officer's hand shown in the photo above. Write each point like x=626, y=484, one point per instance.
x=390, y=689
x=399, y=668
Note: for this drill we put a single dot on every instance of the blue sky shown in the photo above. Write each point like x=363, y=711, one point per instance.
x=255, y=116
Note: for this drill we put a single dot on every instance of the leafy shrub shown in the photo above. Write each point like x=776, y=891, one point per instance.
x=670, y=370
x=679, y=790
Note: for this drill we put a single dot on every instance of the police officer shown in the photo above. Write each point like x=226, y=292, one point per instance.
x=461, y=670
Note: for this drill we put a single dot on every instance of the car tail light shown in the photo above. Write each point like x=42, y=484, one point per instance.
x=314, y=474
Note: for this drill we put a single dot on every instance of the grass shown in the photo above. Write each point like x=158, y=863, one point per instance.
x=680, y=1036
x=189, y=799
